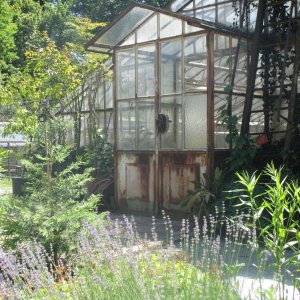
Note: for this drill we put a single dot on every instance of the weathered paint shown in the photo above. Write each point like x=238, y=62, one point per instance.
x=136, y=180
x=179, y=171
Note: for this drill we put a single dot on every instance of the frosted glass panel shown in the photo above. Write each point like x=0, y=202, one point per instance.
x=146, y=71
x=108, y=93
x=195, y=63
x=100, y=119
x=171, y=73
x=126, y=74
x=126, y=125
x=104, y=94
x=223, y=61
x=208, y=14
x=220, y=128
x=169, y=26
x=176, y=5
x=240, y=81
x=148, y=32
x=84, y=130
x=227, y=15
x=172, y=107
x=146, y=124
x=129, y=41
x=199, y=3
x=189, y=29
x=100, y=96
x=195, y=121
x=124, y=26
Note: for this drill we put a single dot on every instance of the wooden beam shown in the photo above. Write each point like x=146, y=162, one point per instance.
x=253, y=67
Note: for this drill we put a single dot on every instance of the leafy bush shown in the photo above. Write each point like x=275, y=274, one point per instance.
x=274, y=213
x=52, y=209
x=50, y=213
x=101, y=154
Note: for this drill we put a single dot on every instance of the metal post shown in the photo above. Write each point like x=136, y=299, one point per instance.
x=210, y=107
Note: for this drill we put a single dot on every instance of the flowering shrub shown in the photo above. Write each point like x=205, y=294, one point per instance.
x=113, y=262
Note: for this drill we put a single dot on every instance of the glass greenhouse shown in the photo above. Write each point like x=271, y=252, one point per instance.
x=171, y=72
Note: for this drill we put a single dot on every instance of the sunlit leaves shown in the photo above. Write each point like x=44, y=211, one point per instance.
x=7, y=31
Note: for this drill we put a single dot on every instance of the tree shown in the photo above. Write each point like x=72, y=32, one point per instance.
x=8, y=30
x=105, y=11
x=28, y=16
x=50, y=63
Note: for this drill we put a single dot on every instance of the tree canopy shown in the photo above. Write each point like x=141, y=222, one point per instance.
x=42, y=58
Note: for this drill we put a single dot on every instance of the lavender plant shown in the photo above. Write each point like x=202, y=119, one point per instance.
x=115, y=262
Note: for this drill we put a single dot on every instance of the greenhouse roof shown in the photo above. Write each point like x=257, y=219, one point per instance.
x=133, y=16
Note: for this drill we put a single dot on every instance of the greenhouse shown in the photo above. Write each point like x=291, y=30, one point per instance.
x=173, y=71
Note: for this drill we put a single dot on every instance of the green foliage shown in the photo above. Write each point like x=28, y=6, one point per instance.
x=243, y=148
x=152, y=278
x=7, y=31
x=49, y=213
x=200, y=200
x=242, y=154
x=105, y=11
x=3, y=155
x=45, y=44
x=52, y=209
x=48, y=77
x=27, y=18
x=101, y=155
x=275, y=213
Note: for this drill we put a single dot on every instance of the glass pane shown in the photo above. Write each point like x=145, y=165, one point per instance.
x=169, y=26
x=126, y=125
x=189, y=29
x=195, y=121
x=172, y=107
x=126, y=74
x=223, y=61
x=146, y=71
x=124, y=26
x=171, y=73
x=108, y=93
x=100, y=115
x=208, y=14
x=189, y=10
x=109, y=126
x=84, y=130
x=178, y=4
x=252, y=15
x=148, y=32
x=226, y=14
x=257, y=123
x=195, y=63
x=146, y=124
x=70, y=129
x=84, y=102
x=200, y=3
x=220, y=129
x=129, y=41
x=257, y=117
x=100, y=96
x=240, y=80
